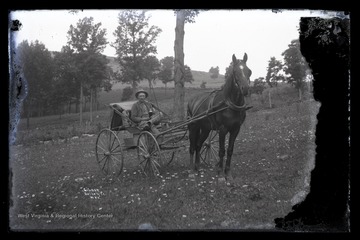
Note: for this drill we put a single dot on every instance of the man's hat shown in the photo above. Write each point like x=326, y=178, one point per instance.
x=141, y=91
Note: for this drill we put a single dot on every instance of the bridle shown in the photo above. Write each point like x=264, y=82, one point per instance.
x=228, y=101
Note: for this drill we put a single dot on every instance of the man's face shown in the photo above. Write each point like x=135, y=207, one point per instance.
x=141, y=96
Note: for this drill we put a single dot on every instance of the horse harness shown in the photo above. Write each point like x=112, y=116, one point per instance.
x=211, y=107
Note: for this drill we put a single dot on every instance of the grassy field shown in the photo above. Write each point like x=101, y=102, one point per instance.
x=57, y=184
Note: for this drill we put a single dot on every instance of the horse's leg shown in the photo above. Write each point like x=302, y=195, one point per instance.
x=204, y=133
x=230, y=149
x=194, y=131
x=222, y=134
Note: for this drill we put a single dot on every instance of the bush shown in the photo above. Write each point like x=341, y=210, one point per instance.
x=127, y=93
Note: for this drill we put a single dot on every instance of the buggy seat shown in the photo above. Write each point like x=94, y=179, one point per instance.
x=121, y=115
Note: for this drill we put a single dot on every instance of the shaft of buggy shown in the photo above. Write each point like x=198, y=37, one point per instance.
x=182, y=124
x=193, y=119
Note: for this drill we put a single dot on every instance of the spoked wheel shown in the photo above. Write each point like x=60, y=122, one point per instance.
x=109, y=154
x=209, y=153
x=149, y=155
x=167, y=150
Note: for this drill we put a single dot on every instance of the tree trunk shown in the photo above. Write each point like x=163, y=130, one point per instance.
x=81, y=101
x=96, y=101
x=179, y=73
x=84, y=104
x=91, y=104
x=300, y=94
x=69, y=107
x=270, y=99
x=77, y=105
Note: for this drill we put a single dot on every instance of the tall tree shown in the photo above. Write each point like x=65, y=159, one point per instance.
x=182, y=16
x=166, y=73
x=259, y=85
x=87, y=41
x=295, y=66
x=214, y=72
x=151, y=69
x=65, y=86
x=37, y=67
x=274, y=72
x=135, y=41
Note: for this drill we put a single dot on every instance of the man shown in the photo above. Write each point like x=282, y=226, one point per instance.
x=143, y=113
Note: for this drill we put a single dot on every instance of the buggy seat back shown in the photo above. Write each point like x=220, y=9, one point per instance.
x=121, y=115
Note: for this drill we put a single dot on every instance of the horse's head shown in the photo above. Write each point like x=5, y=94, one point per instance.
x=241, y=74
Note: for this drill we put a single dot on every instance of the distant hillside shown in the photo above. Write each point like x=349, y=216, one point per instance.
x=198, y=76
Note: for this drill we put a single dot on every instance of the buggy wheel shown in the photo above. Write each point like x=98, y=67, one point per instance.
x=209, y=153
x=109, y=153
x=167, y=151
x=149, y=155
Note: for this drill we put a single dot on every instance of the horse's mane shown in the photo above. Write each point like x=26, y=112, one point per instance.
x=228, y=85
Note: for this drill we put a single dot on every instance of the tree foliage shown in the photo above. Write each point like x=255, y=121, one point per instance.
x=214, y=72
x=87, y=36
x=259, y=85
x=188, y=74
x=37, y=67
x=66, y=88
x=151, y=69
x=86, y=41
x=189, y=14
x=274, y=72
x=135, y=42
x=166, y=73
x=295, y=65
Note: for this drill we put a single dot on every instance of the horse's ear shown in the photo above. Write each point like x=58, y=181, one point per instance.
x=245, y=58
x=234, y=58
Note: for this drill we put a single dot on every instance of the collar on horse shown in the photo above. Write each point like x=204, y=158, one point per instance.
x=235, y=107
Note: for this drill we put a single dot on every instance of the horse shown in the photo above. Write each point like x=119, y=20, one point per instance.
x=225, y=111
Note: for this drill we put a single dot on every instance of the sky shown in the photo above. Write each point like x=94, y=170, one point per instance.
x=209, y=42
